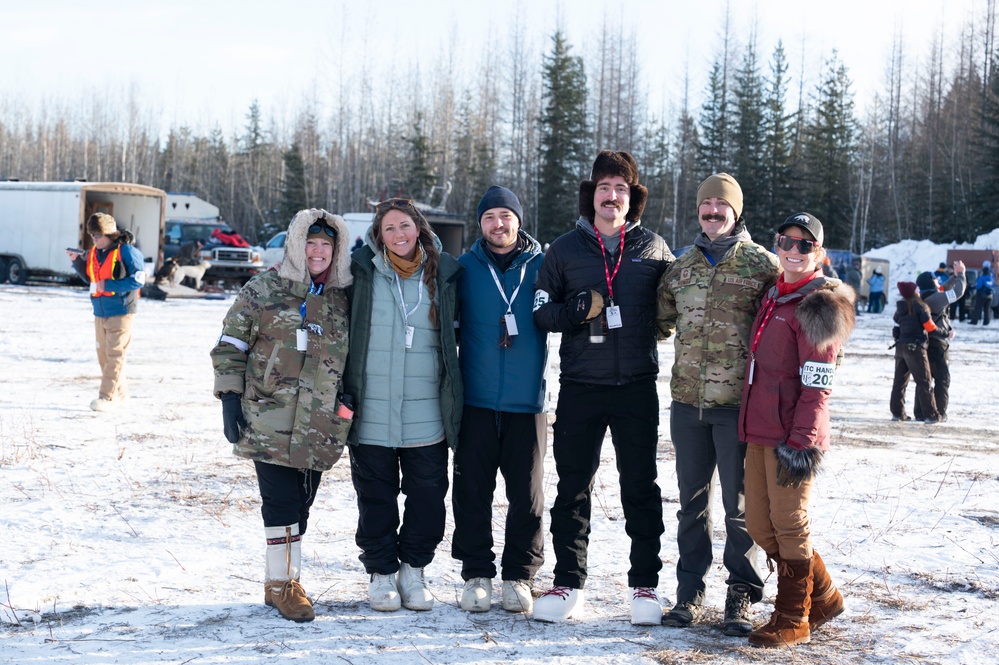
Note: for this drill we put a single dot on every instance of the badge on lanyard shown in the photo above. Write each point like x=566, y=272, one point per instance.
x=511, y=323
x=614, y=316
x=410, y=330
x=301, y=339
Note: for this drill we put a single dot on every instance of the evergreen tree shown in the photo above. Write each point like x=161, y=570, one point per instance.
x=293, y=196
x=986, y=215
x=712, y=148
x=829, y=153
x=775, y=202
x=420, y=175
x=563, y=140
x=748, y=139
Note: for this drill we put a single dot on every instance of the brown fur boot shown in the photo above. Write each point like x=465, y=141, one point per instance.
x=789, y=623
x=827, y=601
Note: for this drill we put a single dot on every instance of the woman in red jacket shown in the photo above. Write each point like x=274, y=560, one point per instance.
x=795, y=349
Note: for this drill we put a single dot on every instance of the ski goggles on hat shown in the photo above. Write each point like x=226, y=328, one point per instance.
x=804, y=245
x=317, y=228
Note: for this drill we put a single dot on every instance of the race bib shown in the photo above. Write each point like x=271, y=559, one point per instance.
x=951, y=296
x=540, y=298
x=818, y=375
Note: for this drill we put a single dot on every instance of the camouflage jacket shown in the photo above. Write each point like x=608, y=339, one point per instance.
x=290, y=397
x=711, y=308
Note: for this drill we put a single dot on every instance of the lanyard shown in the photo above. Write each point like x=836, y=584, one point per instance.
x=603, y=253
x=313, y=288
x=402, y=299
x=763, y=324
x=499, y=287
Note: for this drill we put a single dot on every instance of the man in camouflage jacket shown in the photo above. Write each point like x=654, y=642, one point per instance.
x=710, y=297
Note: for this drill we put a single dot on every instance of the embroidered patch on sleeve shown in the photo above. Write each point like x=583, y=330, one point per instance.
x=818, y=375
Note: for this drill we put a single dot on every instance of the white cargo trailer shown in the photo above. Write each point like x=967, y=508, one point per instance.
x=40, y=220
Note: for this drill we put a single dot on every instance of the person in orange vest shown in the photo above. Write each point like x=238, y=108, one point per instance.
x=115, y=270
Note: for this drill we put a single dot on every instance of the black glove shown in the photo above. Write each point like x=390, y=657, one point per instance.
x=233, y=422
x=584, y=306
x=796, y=466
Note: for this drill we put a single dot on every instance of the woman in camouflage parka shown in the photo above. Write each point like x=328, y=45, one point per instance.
x=278, y=371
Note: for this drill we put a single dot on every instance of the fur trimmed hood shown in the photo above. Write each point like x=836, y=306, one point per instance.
x=826, y=314
x=293, y=265
x=609, y=163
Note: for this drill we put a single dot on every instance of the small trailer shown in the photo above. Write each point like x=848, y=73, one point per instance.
x=40, y=220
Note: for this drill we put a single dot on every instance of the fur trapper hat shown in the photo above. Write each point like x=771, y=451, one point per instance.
x=609, y=164
x=293, y=264
x=102, y=223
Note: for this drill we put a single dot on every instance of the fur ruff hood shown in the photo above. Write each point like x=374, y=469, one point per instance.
x=293, y=266
x=826, y=314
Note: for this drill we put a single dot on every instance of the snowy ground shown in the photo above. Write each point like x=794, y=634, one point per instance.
x=135, y=537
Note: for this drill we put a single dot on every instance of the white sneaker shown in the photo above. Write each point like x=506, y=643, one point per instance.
x=477, y=596
x=383, y=596
x=517, y=596
x=101, y=404
x=413, y=589
x=646, y=610
x=558, y=604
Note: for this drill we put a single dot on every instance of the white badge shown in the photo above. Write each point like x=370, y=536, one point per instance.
x=302, y=339
x=511, y=323
x=409, y=336
x=93, y=288
x=614, y=317
x=951, y=296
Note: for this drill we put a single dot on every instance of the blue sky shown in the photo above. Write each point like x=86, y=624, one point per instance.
x=201, y=62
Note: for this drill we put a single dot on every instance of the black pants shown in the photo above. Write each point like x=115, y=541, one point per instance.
x=375, y=471
x=286, y=494
x=983, y=309
x=705, y=440
x=583, y=414
x=514, y=444
x=912, y=361
x=939, y=358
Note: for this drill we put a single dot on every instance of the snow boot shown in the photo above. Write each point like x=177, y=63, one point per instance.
x=827, y=601
x=282, y=589
x=413, y=589
x=789, y=623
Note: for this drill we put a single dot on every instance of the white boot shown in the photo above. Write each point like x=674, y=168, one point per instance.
x=477, y=595
x=282, y=589
x=558, y=604
x=383, y=594
x=646, y=610
x=517, y=596
x=413, y=589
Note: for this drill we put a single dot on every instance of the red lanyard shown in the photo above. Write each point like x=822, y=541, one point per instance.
x=763, y=324
x=603, y=252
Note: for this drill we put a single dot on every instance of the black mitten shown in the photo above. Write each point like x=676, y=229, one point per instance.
x=233, y=421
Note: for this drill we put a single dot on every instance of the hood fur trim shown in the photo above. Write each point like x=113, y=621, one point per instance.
x=826, y=314
x=293, y=265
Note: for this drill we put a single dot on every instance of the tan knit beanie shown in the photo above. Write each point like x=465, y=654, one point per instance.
x=721, y=186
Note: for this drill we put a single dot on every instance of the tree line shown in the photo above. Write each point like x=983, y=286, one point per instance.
x=921, y=162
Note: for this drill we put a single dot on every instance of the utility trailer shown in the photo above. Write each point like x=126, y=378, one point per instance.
x=40, y=220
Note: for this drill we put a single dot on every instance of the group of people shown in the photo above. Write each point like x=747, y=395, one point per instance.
x=359, y=350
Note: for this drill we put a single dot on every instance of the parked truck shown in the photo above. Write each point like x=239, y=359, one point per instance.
x=190, y=218
x=40, y=220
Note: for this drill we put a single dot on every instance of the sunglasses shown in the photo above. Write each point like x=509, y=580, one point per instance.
x=316, y=228
x=397, y=204
x=96, y=236
x=804, y=245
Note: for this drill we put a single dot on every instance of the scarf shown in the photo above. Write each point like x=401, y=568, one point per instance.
x=784, y=288
x=405, y=268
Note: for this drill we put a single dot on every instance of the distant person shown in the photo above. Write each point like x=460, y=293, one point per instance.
x=796, y=349
x=116, y=271
x=278, y=369
x=598, y=288
x=503, y=357
x=403, y=373
x=943, y=272
x=828, y=270
x=189, y=253
x=876, y=298
x=984, y=287
x=709, y=297
x=938, y=298
x=913, y=324
x=853, y=278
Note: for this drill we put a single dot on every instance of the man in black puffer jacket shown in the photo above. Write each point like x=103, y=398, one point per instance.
x=597, y=286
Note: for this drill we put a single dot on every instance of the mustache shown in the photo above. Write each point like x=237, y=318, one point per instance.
x=713, y=217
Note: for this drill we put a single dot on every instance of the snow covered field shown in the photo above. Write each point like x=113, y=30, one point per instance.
x=135, y=537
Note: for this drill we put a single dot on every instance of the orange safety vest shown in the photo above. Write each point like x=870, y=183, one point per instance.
x=98, y=271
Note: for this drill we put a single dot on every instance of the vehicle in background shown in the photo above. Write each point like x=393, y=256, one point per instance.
x=974, y=261
x=40, y=220
x=189, y=218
